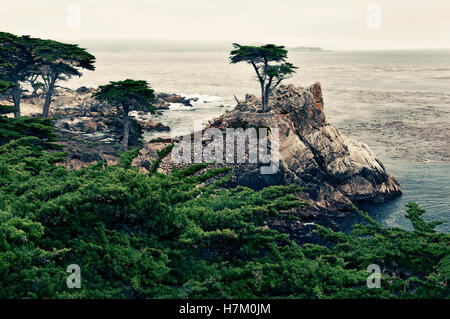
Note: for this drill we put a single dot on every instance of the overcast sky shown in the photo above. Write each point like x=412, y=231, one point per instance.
x=331, y=24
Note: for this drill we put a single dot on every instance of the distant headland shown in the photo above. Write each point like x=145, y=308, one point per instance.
x=307, y=49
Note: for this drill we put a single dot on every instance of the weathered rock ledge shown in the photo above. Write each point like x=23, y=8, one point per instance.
x=335, y=170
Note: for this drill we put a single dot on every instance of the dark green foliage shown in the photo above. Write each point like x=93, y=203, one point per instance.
x=25, y=126
x=127, y=95
x=15, y=57
x=257, y=54
x=63, y=59
x=125, y=158
x=414, y=213
x=161, y=154
x=138, y=235
x=414, y=263
x=16, y=64
x=4, y=87
x=5, y=109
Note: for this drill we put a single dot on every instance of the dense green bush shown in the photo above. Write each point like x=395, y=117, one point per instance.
x=138, y=235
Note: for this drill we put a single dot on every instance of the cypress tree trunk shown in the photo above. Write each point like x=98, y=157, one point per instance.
x=48, y=97
x=267, y=97
x=267, y=94
x=126, y=131
x=16, y=99
x=263, y=98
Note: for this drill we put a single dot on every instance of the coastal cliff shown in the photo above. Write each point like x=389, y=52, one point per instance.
x=335, y=170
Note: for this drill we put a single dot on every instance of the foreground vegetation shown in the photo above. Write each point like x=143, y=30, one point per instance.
x=139, y=235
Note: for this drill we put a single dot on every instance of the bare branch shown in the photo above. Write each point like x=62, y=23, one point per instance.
x=237, y=101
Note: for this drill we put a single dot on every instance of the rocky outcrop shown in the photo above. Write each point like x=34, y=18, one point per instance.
x=163, y=100
x=314, y=153
x=84, y=90
x=334, y=169
x=152, y=125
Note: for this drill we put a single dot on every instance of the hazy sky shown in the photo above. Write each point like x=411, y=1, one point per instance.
x=331, y=24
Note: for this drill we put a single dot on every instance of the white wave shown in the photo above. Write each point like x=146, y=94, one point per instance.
x=180, y=107
x=202, y=98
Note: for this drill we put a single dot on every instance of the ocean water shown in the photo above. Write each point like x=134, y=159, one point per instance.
x=397, y=102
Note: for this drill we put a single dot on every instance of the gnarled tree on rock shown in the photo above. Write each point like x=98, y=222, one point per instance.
x=269, y=62
x=126, y=96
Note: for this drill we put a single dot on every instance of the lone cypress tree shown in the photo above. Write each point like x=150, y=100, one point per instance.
x=269, y=63
x=126, y=96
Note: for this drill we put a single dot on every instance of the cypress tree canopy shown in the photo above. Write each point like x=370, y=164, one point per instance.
x=136, y=95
